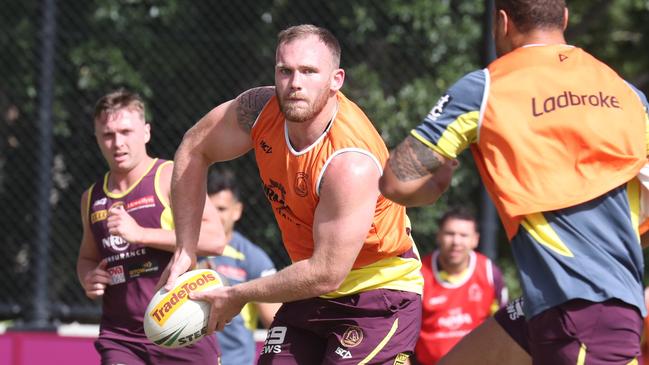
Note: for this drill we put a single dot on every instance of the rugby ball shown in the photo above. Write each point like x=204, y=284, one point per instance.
x=172, y=319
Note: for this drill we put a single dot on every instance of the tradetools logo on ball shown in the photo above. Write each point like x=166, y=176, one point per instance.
x=175, y=298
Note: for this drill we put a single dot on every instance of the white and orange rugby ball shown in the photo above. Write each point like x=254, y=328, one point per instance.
x=172, y=319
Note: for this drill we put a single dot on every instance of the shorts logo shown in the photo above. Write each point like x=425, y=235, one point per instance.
x=345, y=354
x=301, y=184
x=274, y=340
x=352, y=337
x=401, y=359
x=515, y=309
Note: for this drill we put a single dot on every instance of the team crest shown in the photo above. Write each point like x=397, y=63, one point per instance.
x=401, y=359
x=301, y=184
x=352, y=337
x=475, y=293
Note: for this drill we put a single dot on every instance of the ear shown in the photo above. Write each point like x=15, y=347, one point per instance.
x=237, y=210
x=565, y=18
x=502, y=21
x=337, y=79
x=476, y=241
x=147, y=132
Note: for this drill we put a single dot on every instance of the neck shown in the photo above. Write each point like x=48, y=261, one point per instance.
x=122, y=180
x=539, y=37
x=228, y=237
x=303, y=134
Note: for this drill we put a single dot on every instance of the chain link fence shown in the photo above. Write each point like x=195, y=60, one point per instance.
x=59, y=57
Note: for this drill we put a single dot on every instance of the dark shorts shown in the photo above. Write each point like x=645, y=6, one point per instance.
x=374, y=327
x=512, y=319
x=113, y=352
x=593, y=333
x=576, y=332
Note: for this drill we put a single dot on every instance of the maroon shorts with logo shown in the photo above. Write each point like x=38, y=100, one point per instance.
x=512, y=319
x=374, y=327
x=112, y=352
x=578, y=330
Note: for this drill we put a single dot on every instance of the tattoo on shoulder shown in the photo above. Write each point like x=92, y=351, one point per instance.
x=250, y=103
x=412, y=160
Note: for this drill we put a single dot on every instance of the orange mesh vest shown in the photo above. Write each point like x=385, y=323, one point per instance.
x=291, y=180
x=559, y=128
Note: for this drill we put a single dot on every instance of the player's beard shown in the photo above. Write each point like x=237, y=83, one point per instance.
x=298, y=114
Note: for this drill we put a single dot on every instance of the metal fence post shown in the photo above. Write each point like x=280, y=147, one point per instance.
x=39, y=317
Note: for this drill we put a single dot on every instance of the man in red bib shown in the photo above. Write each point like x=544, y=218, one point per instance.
x=461, y=287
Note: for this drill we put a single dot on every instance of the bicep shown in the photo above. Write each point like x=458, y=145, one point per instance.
x=217, y=136
x=346, y=208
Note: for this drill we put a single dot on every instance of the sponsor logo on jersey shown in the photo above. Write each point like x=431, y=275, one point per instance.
x=455, y=319
x=172, y=301
x=437, y=300
x=438, y=109
x=276, y=195
x=570, y=99
x=126, y=255
x=99, y=215
x=147, y=267
x=352, y=337
x=99, y=202
x=115, y=243
x=116, y=274
x=143, y=202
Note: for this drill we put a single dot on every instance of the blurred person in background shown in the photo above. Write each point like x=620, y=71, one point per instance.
x=128, y=236
x=462, y=287
x=241, y=261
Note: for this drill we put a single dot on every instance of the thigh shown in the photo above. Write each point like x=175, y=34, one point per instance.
x=487, y=344
x=204, y=351
x=114, y=352
x=382, y=328
x=583, y=332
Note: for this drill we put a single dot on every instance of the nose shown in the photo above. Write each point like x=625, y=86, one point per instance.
x=119, y=139
x=295, y=80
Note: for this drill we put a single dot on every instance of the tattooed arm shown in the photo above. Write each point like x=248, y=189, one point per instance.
x=222, y=134
x=415, y=175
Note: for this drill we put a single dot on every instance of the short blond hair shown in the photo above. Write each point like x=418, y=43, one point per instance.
x=118, y=100
x=304, y=30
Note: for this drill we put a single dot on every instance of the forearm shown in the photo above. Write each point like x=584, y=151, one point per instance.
x=415, y=175
x=188, y=193
x=84, y=266
x=298, y=281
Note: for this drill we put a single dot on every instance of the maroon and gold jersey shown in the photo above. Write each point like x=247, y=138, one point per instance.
x=134, y=268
